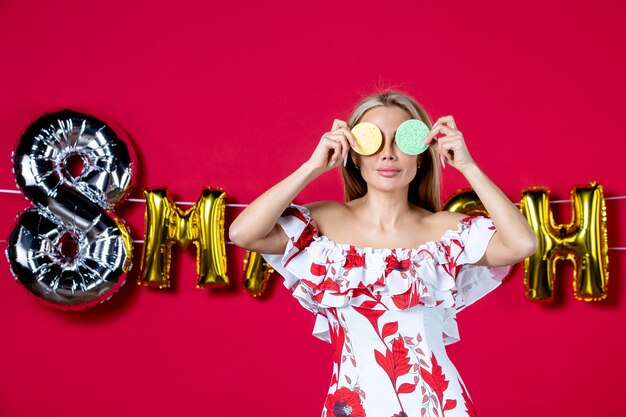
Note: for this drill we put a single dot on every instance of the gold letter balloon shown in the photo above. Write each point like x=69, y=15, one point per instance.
x=256, y=273
x=465, y=201
x=166, y=224
x=583, y=242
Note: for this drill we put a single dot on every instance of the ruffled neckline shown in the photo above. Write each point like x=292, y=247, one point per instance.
x=323, y=273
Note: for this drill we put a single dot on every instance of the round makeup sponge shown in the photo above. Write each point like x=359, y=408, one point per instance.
x=368, y=137
x=410, y=137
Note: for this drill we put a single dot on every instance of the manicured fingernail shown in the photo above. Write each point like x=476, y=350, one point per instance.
x=443, y=162
x=345, y=160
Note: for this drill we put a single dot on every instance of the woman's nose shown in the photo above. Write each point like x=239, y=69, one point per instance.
x=388, y=150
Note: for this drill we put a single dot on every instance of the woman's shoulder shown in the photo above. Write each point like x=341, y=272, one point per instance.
x=446, y=217
x=326, y=207
x=321, y=212
x=440, y=222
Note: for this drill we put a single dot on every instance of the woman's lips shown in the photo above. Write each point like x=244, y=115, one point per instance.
x=388, y=172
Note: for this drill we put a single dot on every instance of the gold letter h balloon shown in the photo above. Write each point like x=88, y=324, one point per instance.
x=583, y=242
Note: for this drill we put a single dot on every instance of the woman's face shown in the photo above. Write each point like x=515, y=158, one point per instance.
x=388, y=168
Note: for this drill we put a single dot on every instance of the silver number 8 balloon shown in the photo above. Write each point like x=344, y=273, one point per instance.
x=71, y=250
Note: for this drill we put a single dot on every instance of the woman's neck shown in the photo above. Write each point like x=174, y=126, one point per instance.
x=383, y=209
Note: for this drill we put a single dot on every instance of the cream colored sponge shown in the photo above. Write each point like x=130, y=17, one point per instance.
x=368, y=137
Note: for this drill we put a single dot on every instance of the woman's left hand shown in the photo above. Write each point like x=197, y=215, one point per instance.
x=451, y=145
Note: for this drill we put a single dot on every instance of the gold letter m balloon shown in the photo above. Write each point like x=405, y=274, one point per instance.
x=583, y=242
x=166, y=224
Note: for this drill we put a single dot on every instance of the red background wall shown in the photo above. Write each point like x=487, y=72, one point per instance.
x=237, y=97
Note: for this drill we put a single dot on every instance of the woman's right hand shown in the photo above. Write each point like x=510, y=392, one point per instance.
x=333, y=148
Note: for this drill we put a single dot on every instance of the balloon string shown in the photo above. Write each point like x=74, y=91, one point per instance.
x=231, y=243
x=189, y=203
x=139, y=241
x=133, y=200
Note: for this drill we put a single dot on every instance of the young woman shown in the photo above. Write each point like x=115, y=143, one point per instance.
x=387, y=271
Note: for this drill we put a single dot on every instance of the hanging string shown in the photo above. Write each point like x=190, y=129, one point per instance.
x=190, y=203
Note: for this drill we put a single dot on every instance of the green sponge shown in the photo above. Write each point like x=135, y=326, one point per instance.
x=410, y=137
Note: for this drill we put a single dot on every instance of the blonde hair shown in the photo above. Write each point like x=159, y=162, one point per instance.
x=424, y=189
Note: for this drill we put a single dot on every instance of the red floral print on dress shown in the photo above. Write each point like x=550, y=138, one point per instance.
x=394, y=265
x=353, y=259
x=409, y=298
x=396, y=292
x=308, y=234
x=371, y=315
x=469, y=404
x=344, y=403
x=437, y=381
x=394, y=362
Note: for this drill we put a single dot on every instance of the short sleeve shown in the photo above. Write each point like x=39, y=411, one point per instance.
x=300, y=229
x=462, y=249
x=465, y=247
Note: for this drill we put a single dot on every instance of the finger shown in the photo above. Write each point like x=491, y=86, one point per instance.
x=432, y=135
x=449, y=143
x=333, y=138
x=335, y=135
x=339, y=123
x=332, y=145
x=345, y=147
x=348, y=134
x=337, y=147
x=341, y=136
x=447, y=120
x=333, y=157
x=439, y=129
x=453, y=138
x=443, y=149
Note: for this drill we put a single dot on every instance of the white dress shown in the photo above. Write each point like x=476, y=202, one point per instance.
x=388, y=314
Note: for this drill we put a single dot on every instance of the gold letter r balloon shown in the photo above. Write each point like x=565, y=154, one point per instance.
x=583, y=242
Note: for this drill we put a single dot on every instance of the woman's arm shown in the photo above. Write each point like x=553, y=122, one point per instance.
x=514, y=239
x=256, y=228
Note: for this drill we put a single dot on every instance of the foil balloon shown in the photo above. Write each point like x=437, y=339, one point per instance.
x=166, y=224
x=465, y=201
x=583, y=242
x=71, y=250
x=256, y=273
